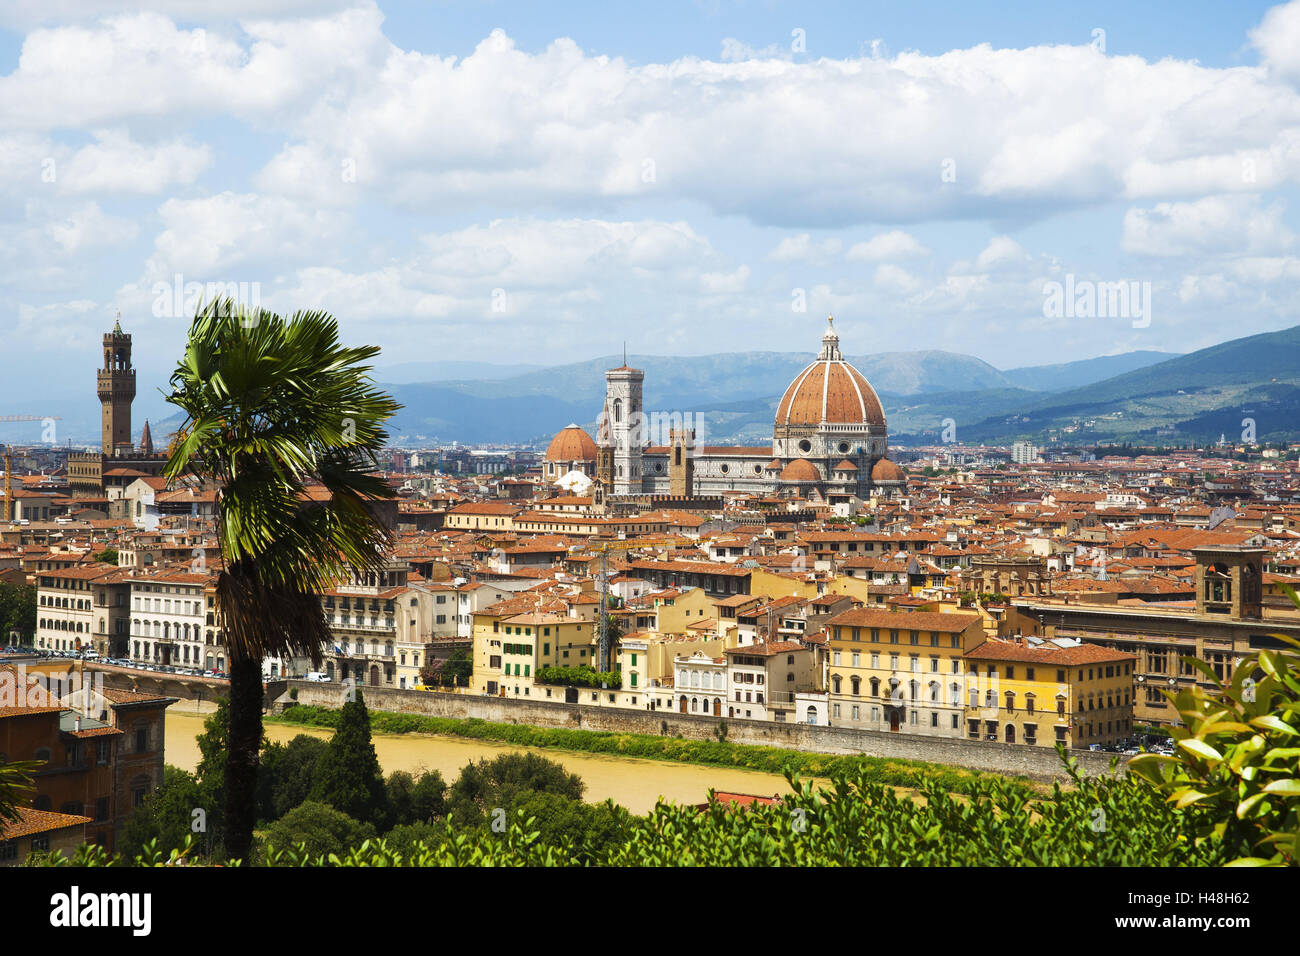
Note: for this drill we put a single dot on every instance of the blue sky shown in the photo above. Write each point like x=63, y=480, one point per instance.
x=522, y=182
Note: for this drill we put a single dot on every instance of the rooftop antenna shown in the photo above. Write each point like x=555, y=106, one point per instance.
x=625, y=353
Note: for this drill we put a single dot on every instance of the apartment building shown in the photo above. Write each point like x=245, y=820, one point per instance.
x=900, y=671
x=83, y=607
x=1031, y=691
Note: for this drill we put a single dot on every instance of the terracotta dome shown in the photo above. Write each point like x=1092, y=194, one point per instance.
x=886, y=470
x=571, y=444
x=801, y=470
x=830, y=390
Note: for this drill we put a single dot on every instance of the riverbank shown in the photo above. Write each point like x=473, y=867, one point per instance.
x=893, y=772
x=634, y=783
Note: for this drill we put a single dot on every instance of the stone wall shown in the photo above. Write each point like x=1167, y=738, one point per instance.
x=1039, y=762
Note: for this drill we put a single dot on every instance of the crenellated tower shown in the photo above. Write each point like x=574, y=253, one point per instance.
x=116, y=387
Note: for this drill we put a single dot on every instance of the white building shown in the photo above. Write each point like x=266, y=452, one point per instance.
x=169, y=620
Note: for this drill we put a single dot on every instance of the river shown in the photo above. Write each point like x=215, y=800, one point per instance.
x=631, y=782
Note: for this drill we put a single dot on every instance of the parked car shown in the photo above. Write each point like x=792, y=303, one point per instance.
x=318, y=677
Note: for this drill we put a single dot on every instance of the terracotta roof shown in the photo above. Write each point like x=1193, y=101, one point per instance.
x=571, y=443
x=801, y=469
x=999, y=650
x=904, y=621
x=830, y=391
x=31, y=822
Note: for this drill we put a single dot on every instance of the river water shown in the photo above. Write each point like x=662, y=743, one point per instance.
x=629, y=781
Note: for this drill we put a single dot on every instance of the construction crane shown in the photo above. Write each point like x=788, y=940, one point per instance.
x=30, y=418
x=603, y=548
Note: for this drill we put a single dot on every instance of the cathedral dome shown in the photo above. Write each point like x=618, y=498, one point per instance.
x=571, y=443
x=830, y=390
x=886, y=471
x=801, y=470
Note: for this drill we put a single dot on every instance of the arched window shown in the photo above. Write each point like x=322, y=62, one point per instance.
x=875, y=687
x=835, y=683
x=855, y=685
x=934, y=692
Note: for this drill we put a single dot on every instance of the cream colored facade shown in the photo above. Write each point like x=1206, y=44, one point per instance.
x=900, y=672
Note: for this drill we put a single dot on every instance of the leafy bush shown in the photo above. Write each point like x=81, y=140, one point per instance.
x=1238, y=758
x=855, y=822
x=317, y=828
x=486, y=785
x=413, y=800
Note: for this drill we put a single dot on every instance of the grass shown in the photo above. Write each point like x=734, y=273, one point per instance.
x=890, y=771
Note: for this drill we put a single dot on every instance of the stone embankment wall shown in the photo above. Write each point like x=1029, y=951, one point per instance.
x=1039, y=762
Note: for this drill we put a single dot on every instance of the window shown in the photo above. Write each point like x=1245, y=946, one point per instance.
x=142, y=740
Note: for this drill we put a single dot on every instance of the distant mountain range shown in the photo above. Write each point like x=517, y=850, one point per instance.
x=1142, y=396
x=735, y=393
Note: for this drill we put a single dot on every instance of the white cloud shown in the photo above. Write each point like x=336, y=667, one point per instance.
x=210, y=239
x=1278, y=40
x=87, y=226
x=116, y=164
x=895, y=244
x=725, y=283
x=802, y=248
x=1239, y=224
x=1034, y=130
x=896, y=279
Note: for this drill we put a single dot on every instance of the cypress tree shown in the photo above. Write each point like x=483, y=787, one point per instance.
x=348, y=777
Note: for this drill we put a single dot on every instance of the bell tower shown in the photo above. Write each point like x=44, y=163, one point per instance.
x=116, y=388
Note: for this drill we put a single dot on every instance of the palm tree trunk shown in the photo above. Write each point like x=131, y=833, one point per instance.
x=242, y=761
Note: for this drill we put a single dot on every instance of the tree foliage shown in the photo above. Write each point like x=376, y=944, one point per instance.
x=17, y=610
x=582, y=675
x=347, y=776
x=488, y=785
x=288, y=423
x=1237, y=758
x=318, y=829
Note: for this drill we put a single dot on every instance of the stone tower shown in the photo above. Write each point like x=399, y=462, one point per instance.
x=625, y=427
x=1230, y=580
x=116, y=388
x=681, y=463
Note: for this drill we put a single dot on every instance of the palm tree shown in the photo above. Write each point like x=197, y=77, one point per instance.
x=288, y=424
x=15, y=788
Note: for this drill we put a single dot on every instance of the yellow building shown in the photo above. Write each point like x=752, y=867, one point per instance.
x=676, y=610
x=902, y=672
x=1033, y=691
x=510, y=646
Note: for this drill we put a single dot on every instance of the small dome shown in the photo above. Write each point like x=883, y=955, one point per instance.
x=886, y=471
x=802, y=470
x=846, y=465
x=571, y=444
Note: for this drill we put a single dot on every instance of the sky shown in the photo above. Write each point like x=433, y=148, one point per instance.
x=515, y=182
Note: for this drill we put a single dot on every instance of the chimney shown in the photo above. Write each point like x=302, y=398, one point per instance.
x=77, y=724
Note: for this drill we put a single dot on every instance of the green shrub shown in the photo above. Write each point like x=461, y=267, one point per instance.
x=1238, y=758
